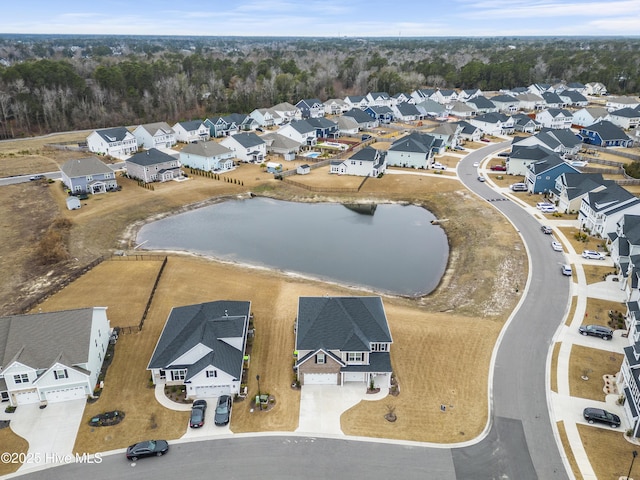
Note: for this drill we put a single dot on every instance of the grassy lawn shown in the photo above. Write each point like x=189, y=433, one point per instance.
x=597, y=273
x=567, y=449
x=14, y=444
x=591, y=243
x=609, y=453
x=597, y=311
x=593, y=364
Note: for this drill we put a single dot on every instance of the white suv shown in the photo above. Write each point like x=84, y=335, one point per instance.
x=593, y=255
x=519, y=187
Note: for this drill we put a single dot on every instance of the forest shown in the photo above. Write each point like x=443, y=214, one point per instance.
x=60, y=83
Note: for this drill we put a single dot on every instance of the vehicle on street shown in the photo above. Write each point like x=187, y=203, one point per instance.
x=438, y=166
x=546, y=229
x=476, y=164
x=593, y=415
x=557, y=246
x=223, y=410
x=504, y=154
x=566, y=270
x=198, y=411
x=481, y=178
x=596, y=331
x=593, y=255
x=498, y=168
x=519, y=187
x=148, y=448
x=33, y=178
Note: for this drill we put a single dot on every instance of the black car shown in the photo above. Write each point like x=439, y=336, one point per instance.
x=597, y=331
x=223, y=410
x=149, y=448
x=592, y=415
x=198, y=410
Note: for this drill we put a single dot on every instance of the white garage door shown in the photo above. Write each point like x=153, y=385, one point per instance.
x=213, y=390
x=320, y=378
x=24, y=398
x=65, y=394
x=354, y=376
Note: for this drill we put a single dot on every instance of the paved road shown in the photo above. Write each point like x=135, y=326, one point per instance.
x=519, y=444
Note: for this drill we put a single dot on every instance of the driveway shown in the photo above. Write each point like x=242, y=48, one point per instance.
x=51, y=432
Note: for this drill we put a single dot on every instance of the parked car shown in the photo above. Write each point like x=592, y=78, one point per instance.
x=541, y=205
x=438, y=166
x=557, y=246
x=481, y=178
x=593, y=415
x=499, y=168
x=566, y=270
x=486, y=140
x=504, y=154
x=148, y=448
x=593, y=255
x=546, y=229
x=519, y=187
x=459, y=148
x=596, y=331
x=198, y=411
x=33, y=178
x=223, y=410
x=551, y=209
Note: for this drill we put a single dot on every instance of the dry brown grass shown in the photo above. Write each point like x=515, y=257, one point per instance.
x=572, y=310
x=321, y=178
x=591, y=363
x=592, y=243
x=597, y=273
x=609, y=453
x=553, y=373
x=597, y=310
x=566, y=445
x=11, y=443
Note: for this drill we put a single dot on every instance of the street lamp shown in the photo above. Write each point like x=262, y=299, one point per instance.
x=258, y=379
x=635, y=454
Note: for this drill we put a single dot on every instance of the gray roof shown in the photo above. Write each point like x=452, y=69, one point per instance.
x=610, y=198
x=548, y=163
x=535, y=152
x=607, y=131
x=504, y=99
x=578, y=184
x=40, y=339
x=556, y=112
x=552, y=98
x=481, y=102
x=322, y=122
x=209, y=324
x=564, y=135
x=302, y=126
x=368, y=154
x=358, y=115
x=631, y=230
x=573, y=96
x=248, y=139
x=626, y=112
x=414, y=142
x=153, y=156
x=116, y=134
x=205, y=149
x=275, y=140
x=83, y=167
x=347, y=123
x=407, y=109
x=191, y=125
x=341, y=323
x=153, y=128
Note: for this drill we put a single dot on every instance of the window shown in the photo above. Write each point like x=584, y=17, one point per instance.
x=321, y=358
x=355, y=356
x=178, y=374
x=212, y=373
x=21, y=378
x=59, y=374
x=379, y=347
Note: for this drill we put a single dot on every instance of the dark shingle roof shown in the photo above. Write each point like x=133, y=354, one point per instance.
x=116, y=134
x=607, y=131
x=153, y=156
x=247, y=139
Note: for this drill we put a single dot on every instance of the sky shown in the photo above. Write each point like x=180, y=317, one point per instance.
x=325, y=18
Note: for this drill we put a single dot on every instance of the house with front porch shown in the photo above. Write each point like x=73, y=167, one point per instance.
x=117, y=142
x=466, y=95
x=230, y=124
x=191, y=131
x=555, y=118
x=415, y=150
x=493, y=123
x=208, y=156
x=247, y=147
x=448, y=133
x=468, y=132
x=541, y=175
x=367, y=162
x=356, y=102
x=287, y=112
x=155, y=135
x=378, y=99
x=595, y=89
x=202, y=348
x=153, y=165
x=88, y=175
x=601, y=210
x=52, y=357
x=524, y=123
x=341, y=340
x=310, y=108
x=445, y=96
x=605, y=134
x=570, y=189
x=401, y=97
x=266, y=117
x=300, y=131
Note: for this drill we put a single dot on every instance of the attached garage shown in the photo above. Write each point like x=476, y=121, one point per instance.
x=320, y=379
x=212, y=390
x=25, y=398
x=354, y=377
x=64, y=394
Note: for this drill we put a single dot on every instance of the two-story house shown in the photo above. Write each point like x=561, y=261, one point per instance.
x=155, y=135
x=300, y=131
x=412, y=151
x=208, y=156
x=601, y=210
x=605, y=134
x=248, y=147
x=117, y=142
x=555, y=118
x=191, y=131
x=153, y=165
x=311, y=108
x=88, y=175
x=570, y=189
x=367, y=162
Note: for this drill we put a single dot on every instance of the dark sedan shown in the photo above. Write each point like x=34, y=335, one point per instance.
x=596, y=331
x=223, y=410
x=198, y=411
x=149, y=448
x=592, y=415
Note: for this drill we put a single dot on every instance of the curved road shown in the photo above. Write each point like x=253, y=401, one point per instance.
x=519, y=443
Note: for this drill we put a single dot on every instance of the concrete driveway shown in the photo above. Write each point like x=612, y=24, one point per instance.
x=322, y=405
x=209, y=429
x=51, y=431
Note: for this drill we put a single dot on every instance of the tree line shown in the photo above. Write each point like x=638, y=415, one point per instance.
x=67, y=83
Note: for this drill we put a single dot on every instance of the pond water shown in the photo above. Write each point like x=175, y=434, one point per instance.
x=387, y=248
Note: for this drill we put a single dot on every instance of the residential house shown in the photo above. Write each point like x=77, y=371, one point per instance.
x=117, y=142
x=52, y=357
x=555, y=118
x=356, y=101
x=630, y=370
x=461, y=110
x=466, y=95
x=589, y=115
x=570, y=189
x=383, y=115
x=340, y=340
x=432, y=109
x=445, y=96
x=287, y=112
x=378, y=99
x=625, y=118
x=402, y=97
x=300, y=131
x=230, y=124
x=423, y=94
x=595, y=89
x=202, y=348
x=311, y=108
x=624, y=245
x=469, y=132
x=530, y=101
x=539, y=88
x=281, y=145
x=208, y=156
x=493, y=123
x=325, y=128
x=153, y=165
x=601, y=210
x=448, y=133
x=605, y=134
x=524, y=123
x=348, y=125
x=541, y=175
x=573, y=98
x=155, y=135
x=336, y=106
x=412, y=151
x=575, y=87
x=266, y=117
x=247, y=146
x=367, y=162
x=481, y=104
x=616, y=103
x=365, y=121
x=553, y=100
x=406, y=112
x=506, y=103
x=523, y=156
x=191, y=131
x=88, y=175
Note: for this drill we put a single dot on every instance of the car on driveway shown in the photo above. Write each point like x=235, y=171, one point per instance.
x=546, y=229
x=504, y=154
x=198, y=411
x=557, y=246
x=148, y=448
x=541, y=205
x=438, y=166
x=498, y=168
x=519, y=187
x=459, y=148
x=223, y=410
x=566, y=270
x=593, y=255
x=596, y=331
x=593, y=415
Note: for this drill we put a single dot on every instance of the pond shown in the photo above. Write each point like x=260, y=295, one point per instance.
x=387, y=248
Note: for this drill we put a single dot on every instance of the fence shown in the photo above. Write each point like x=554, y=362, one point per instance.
x=74, y=148
x=313, y=188
x=620, y=153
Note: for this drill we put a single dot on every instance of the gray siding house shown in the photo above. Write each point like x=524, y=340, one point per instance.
x=88, y=175
x=153, y=166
